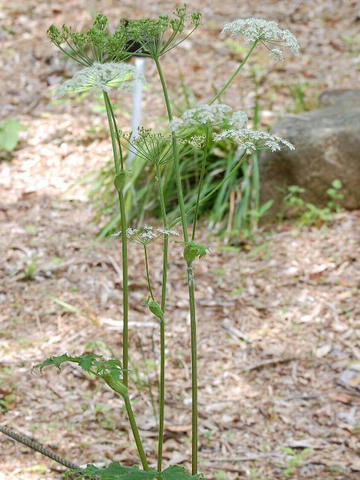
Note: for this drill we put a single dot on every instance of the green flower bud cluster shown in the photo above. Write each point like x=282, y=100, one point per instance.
x=152, y=147
x=94, y=45
x=146, y=37
x=157, y=36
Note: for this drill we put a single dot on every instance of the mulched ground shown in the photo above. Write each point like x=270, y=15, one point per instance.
x=278, y=317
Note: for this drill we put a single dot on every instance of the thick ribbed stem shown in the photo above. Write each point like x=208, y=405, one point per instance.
x=135, y=431
x=190, y=278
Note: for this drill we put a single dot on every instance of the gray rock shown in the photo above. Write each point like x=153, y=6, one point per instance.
x=340, y=96
x=327, y=145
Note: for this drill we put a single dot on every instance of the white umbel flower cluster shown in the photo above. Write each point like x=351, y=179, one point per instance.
x=268, y=33
x=202, y=115
x=167, y=231
x=146, y=234
x=100, y=77
x=238, y=120
x=143, y=236
x=254, y=140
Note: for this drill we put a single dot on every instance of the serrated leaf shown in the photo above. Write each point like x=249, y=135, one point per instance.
x=89, y=362
x=175, y=472
x=54, y=361
x=115, y=471
x=109, y=370
x=86, y=361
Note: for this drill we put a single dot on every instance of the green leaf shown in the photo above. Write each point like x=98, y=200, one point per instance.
x=109, y=370
x=54, y=361
x=193, y=250
x=337, y=184
x=288, y=450
x=87, y=360
x=178, y=473
x=114, y=471
x=155, y=309
x=120, y=180
x=9, y=133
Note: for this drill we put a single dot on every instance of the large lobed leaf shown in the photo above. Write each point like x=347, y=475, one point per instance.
x=115, y=471
x=89, y=362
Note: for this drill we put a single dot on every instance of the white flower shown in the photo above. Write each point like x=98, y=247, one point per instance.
x=277, y=54
x=101, y=77
x=238, y=120
x=201, y=115
x=131, y=233
x=196, y=141
x=268, y=33
x=145, y=237
x=142, y=236
x=252, y=140
x=165, y=231
x=146, y=234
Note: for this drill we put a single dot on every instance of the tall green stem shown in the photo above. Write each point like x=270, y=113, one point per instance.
x=175, y=152
x=117, y=153
x=228, y=83
x=162, y=323
x=190, y=278
x=135, y=431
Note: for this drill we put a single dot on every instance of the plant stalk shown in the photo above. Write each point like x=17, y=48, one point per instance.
x=118, y=162
x=162, y=324
x=228, y=83
x=190, y=279
x=135, y=432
